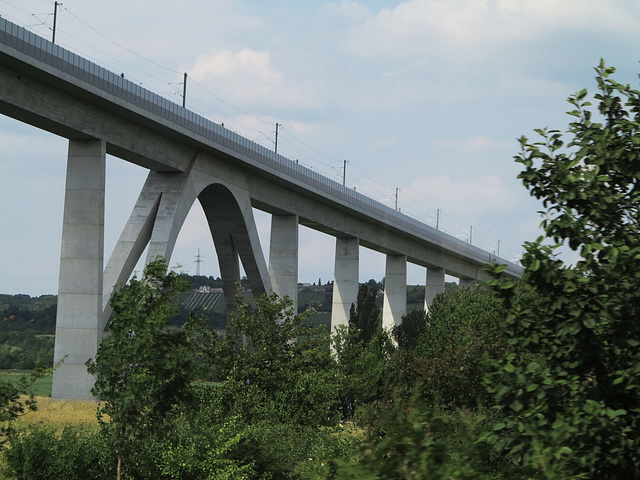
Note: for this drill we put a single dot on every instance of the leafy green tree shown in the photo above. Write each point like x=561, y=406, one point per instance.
x=364, y=371
x=45, y=453
x=364, y=315
x=374, y=285
x=406, y=334
x=463, y=326
x=276, y=376
x=142, y=370
x=415, y=295
x=363, y=352
x=579, y=409
x=271, y=355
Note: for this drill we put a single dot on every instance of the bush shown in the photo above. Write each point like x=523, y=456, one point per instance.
x=464, y=326
x=77, y=453
x=416, y=444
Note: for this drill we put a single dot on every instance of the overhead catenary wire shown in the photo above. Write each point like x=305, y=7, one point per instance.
x=33, y=15
x=120, y=45
x=229, y=104
x=120, y=61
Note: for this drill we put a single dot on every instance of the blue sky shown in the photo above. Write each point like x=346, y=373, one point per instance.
x=427, y=96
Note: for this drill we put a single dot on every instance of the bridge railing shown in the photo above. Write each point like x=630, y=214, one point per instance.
x=104, y=80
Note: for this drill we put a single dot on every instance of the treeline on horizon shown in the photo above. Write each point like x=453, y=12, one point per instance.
x=27, y=324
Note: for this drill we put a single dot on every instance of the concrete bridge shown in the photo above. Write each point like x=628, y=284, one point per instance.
x=191, y=158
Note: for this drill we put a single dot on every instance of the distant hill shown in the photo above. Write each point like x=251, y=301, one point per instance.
x=27, y=324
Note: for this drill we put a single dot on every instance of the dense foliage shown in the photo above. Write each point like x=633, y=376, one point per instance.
x=27, y=325
x=579, y=409
x=142, y=369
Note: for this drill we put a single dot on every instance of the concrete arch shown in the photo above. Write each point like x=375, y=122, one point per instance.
x=159, y=214
x=230, y=218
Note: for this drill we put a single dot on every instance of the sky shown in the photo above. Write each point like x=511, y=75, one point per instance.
x=424, y=99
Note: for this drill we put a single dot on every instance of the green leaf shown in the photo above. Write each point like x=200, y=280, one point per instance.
x=581, y=94
x=534, y=265
x=499, y=426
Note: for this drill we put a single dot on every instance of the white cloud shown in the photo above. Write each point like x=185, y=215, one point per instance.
x=249, y=80
x=349, y=9
x=461, y=197
x=474, y=145
x=31, y=140
x=602, y=14
x=316, y=255
x=248, y=62
x=419, y=28
x=516, y=83
x=406, y=69
x=384, y=143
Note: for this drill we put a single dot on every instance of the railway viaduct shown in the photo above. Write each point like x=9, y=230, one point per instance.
x=191, y=158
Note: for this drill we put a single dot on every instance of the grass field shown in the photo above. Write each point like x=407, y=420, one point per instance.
x=58, y=413
x=42, y=387
x=52, y=412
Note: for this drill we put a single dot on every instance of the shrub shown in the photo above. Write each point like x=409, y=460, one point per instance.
x=77, y=453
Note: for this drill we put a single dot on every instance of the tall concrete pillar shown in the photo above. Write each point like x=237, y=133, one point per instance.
x=395, y=291
x=345, y=283
x=467, y=283
x=78, y=331
x=434, y=286
x=283, y=256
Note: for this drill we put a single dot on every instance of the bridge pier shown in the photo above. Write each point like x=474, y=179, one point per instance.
x=434, y=285
x=346, y=280
x=283, y=256
x=395, y=291
x=133, y=240
x=78, y=332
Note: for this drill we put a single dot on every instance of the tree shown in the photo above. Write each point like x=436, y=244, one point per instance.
x=417, y=445
x=142, y=370
x=276, y=377
x=364, y=315
x=443, y=353
x=406, y=334
x=271, y=356
x=578, y=409
x=363, y=352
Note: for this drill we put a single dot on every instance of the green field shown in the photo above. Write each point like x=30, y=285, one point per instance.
x=41, y=388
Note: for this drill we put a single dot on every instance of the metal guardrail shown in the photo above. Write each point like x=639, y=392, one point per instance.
x=72, y=64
